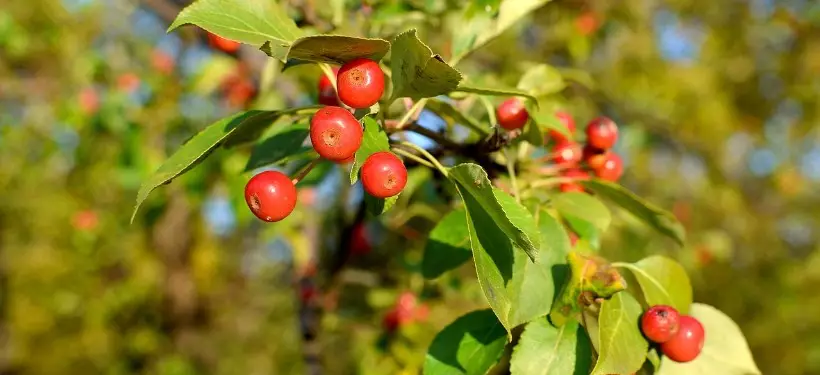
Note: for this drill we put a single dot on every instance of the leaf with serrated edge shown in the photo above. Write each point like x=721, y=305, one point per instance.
x=663, y=221
x=472, y=179
x=725, y=350
x=622, y=347
x=286, y=142
x=584, y=207
x=374, y=140
x=663, y=282
x=418, y=73
x=448, y=245
x=337, y=49
x=471, y=345
x=254, y=22
x=495, y=92
x=547, y=350
x=199, y=147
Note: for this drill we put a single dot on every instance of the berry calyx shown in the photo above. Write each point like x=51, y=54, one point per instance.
x=270, y=195
x=566, y=119
x=567, y=153
x=222, y=44
x=602, y=133
x=327, y=94
x=660, y=323
x=360, y=83
x=575, y=174
x=335, y=133
x=687, y=344
x=593, y=157
x=511, y=114
x=612, y=168
x=383, y=175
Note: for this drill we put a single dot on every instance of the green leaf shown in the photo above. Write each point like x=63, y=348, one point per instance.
x=374, y=140
x=663, y=221
x=471, y=345
x=622, y=348
x=584, y=207
x=534, y=135
x=200, y=146
x=337, y=49
x=546, y=350
x=725, y=350
x=663, y=282
x=541, y=80
x=283, y=144
x=254, y=22
x=495, y=92
x=480, y=29
x=378, y=206
x=417, y=72
x=586, y=231
x=448, y=245
x=590, y=277
x=472, y=181
x=546, y=120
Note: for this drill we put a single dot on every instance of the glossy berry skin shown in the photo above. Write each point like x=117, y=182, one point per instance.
x=612, y=168
x=383, y=175
x=511, y=114
x=222, y=44
x=566, y=119
x=687, y=344
x=660, y=323
x=575, y=174
x=327, y=94
x=602, y=133
x=567, y=153
x=335, y=133
x=360, y=83
x=270, y=195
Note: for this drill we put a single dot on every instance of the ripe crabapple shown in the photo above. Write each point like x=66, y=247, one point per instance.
x=222, y=44
x=566, y=153
x=327, y=94
x=575, y=174
x=566, y=119
x=360, y=83
x=660, y=323
x=687, y=344
x=612, y=168
x=335, y=134
x=511, y=114
x=383, y=175
x=359, y=243
x=593, y=157
x=602, y=133
x=270, y=195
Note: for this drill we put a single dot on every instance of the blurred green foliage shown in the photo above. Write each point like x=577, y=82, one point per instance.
x=719, y=105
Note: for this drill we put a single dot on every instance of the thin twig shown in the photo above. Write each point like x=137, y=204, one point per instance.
x=304, y=172
x=412, y=156
x=426, y=154
x=411, y=113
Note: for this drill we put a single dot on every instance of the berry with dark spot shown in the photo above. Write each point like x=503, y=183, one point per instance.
x=360, y=83
x=383, y=175
x=660, y=323
x=271, y=196
x=335, y=134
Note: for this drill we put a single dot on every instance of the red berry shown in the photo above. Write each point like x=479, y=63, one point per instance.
x=575, y=174
x=660, y=323
x=686, y=345
x=360, y=83
x=359, y=243
x=225, y=45
x=602, y=133
x=391, y=320
x=612, y=169
x=327, y=94
x=335, y=133
x=383, y=175
x=594, y=157
x=566, y=119
x=511, y=114
x=566, y=153
x=270, y=195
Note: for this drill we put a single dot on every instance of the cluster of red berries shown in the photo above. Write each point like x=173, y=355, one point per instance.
x=406, y=310
x=336, y=135
x=575, y=161
x=681, y=337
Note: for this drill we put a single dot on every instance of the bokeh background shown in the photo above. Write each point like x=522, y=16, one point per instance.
x=718, y=102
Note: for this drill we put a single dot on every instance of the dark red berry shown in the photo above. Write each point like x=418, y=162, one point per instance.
x=335, y=134
x=612, y=168
x=359, y=243
x=575, y=174
x=593, y=157
x=567, y=153
x=660, y=323
x=360, y=83
x=687, y=344
x=327, y=94
x=566, y=119
x=222, y=44
x=383, y=175
x=511, y=114
x=270, y=195
x=602, y=133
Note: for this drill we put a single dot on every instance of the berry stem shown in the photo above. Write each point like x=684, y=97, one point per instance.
x=548, y=182
x=490, y=110
x=427, y=155
x=305, y=170
x=411, y=113
x=511, y=171
x=412, y=156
